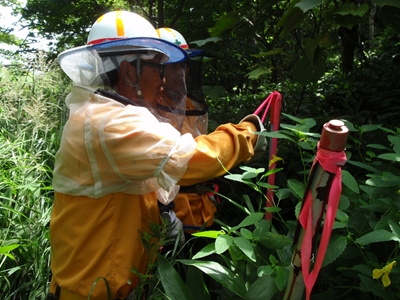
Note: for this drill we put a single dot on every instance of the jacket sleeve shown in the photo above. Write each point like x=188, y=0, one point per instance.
x=226, y=147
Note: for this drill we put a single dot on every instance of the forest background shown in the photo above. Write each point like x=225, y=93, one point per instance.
x=329, y=60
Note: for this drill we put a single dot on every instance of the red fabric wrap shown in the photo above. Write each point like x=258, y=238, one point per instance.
x=330, y=161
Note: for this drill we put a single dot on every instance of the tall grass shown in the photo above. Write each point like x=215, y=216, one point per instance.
x=31, y=119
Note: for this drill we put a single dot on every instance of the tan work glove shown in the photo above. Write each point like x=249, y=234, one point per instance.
x=261, y=143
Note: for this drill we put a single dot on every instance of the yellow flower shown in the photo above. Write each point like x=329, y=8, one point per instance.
x=384, y=273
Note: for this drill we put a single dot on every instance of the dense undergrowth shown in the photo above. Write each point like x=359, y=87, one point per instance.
x=246, y=257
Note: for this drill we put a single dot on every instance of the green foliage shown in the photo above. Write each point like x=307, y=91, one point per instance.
x=30, y=120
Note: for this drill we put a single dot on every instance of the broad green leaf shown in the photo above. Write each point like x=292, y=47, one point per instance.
x=306, y=5
x=383, y=223
x=273, y=209
x=220, y=274
x=249, y=175
x=370, y=127
x=246, y=233
x=263, y=288
x=377, y=236
x=394, y=157
x=384, y=180
x=283, y=194
x=361, y=165
x=377, y=146
x=222, y=243
x=8, y=248
x=235, y=177
x=349, y=8
x=395, y=228
x=209, y=233
x=201, y=43
x=265, y=270
x=249, y=220
x=224, y=23
x=282, y=277
x=274, y=240
x=276, y=134
x=268, y=53
x=336, y=247
x=196, y=285
x=261, y=228
x=296, y=187
x=258, y=72
x=342, y=216
x=394, y=139
x=171, y=281
x=395, y=3
x=370, y=285
x=206, y=251
x=344, y=202
x=291, y=19
x=349, y=181
x=245, y=246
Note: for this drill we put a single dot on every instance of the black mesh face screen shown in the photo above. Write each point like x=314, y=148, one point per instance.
x=193, y=79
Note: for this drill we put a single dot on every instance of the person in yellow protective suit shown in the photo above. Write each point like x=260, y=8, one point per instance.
x=121, y=153
x=194, y=205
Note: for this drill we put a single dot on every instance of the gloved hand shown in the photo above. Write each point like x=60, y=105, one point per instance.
x=174, y=226
x=261, y=144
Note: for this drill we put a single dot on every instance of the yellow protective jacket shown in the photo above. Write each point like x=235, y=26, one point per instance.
x=111, y=161
x=192, y=209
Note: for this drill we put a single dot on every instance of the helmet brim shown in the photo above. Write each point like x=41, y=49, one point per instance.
x=194, y=52
x=132, y=45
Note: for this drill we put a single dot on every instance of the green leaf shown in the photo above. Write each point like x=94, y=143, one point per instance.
x=349, y=8
x=394, y=3
x=222, y=243
x=171, y=281
x=249, y=220
x=273, y=209
x=201, y=43
x=291, y=19
x=296, y=187
x=249, y=175
x=258, y=72
x=282, y=277
x=377, y=236
x=394, y=157
x=206, y=251
x=219, y=273
x=265, y=270
x=246, y=233
x=273, y=240
x=349, y=181
x=336, y=247
x=362, y=165
x=209, y=233
x=276, y=134
x=224, y=23
x=268, y=53
x=385, y=180
x=263, y=288
x=196, y=285
x=370, y=127
x=245, y=246
x=8, y=248
x=395, y=228
x=306, y=5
